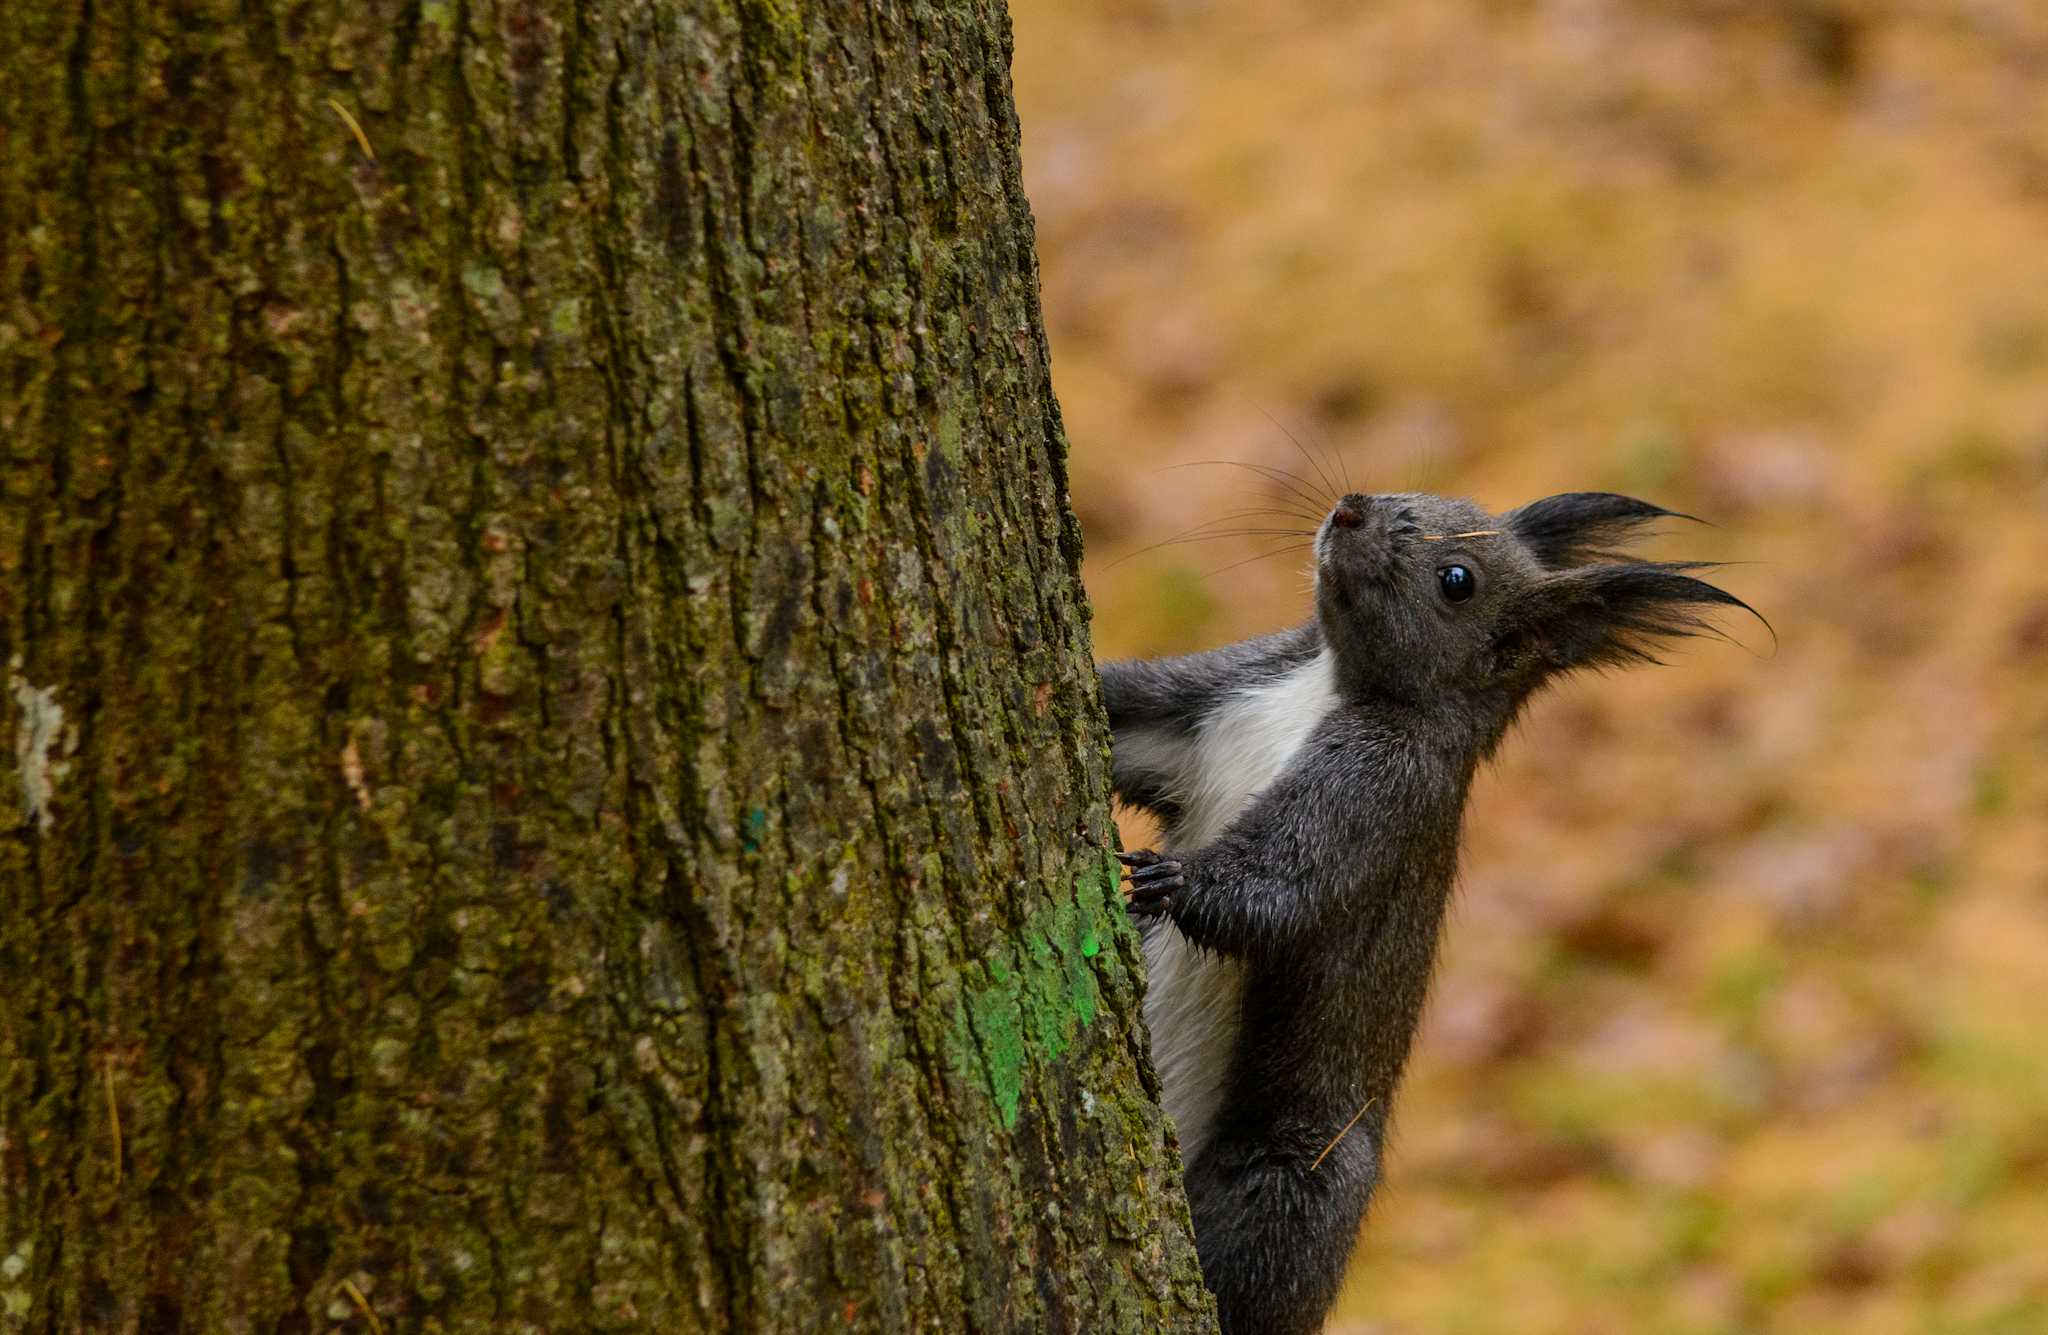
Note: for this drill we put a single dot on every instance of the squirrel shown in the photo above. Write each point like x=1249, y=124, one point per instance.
x=1311, y=785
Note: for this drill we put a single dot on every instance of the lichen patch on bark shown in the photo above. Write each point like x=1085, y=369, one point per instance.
x=40, y=743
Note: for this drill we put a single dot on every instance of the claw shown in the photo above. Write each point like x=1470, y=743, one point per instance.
x=1159, y=879
x=1153, y=880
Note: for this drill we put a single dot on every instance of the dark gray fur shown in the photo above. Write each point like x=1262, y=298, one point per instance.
x=1330, y=883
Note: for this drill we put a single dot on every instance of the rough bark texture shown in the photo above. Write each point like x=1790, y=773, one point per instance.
x=556, y=780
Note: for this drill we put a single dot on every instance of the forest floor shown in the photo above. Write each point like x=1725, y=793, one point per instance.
x=1739, y=1024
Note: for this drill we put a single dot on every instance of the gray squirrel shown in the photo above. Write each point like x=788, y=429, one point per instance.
x=1311, y=785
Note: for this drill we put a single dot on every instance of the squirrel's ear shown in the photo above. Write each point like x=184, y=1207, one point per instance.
x=1610, y=615
x=1581, y=526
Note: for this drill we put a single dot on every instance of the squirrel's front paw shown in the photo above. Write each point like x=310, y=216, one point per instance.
x=1154, y=882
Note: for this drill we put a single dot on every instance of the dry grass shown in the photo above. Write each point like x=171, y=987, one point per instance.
x=1738, y=1026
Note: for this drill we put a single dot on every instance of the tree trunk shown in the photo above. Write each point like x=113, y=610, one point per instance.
x=557, y=781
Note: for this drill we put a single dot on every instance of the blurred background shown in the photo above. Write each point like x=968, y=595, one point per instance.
x=1742, y=1020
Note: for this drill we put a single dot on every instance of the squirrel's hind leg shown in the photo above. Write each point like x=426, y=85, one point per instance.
x=1276, y=1228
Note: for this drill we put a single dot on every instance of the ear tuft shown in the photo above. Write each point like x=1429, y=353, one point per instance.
x=1615, y=615
x=1581, y=526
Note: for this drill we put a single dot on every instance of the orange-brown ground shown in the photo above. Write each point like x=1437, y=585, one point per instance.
x=1742, y=1022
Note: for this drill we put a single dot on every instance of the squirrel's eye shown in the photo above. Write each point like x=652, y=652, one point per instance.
x=1457, y=583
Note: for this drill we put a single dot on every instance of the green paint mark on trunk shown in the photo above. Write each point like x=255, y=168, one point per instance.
x=1035, y=1003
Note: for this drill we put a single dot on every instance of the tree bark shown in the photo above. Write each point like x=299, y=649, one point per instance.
x=557, y=780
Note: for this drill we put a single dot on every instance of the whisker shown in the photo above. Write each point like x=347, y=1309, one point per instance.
x=1302, y=515
x=1343, y=465
x=1183, y=539
x=1278, y=507
x=1295, y=485
x=1328, y=484
x=1321, y=439
x=1208, y=527
x=1277, y=551
x=1231, y=533
x=1253, y=513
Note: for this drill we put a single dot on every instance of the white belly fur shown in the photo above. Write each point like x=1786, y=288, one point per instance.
x=1192, y=996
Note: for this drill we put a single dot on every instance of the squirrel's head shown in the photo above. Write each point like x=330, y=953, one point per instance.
x=1431, y=598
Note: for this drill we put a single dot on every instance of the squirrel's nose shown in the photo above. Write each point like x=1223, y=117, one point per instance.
x=1347, y=515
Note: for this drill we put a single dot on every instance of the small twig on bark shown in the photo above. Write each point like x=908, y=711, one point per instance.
x=354, y=129
x=113, y=1116
x=369, y=1312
